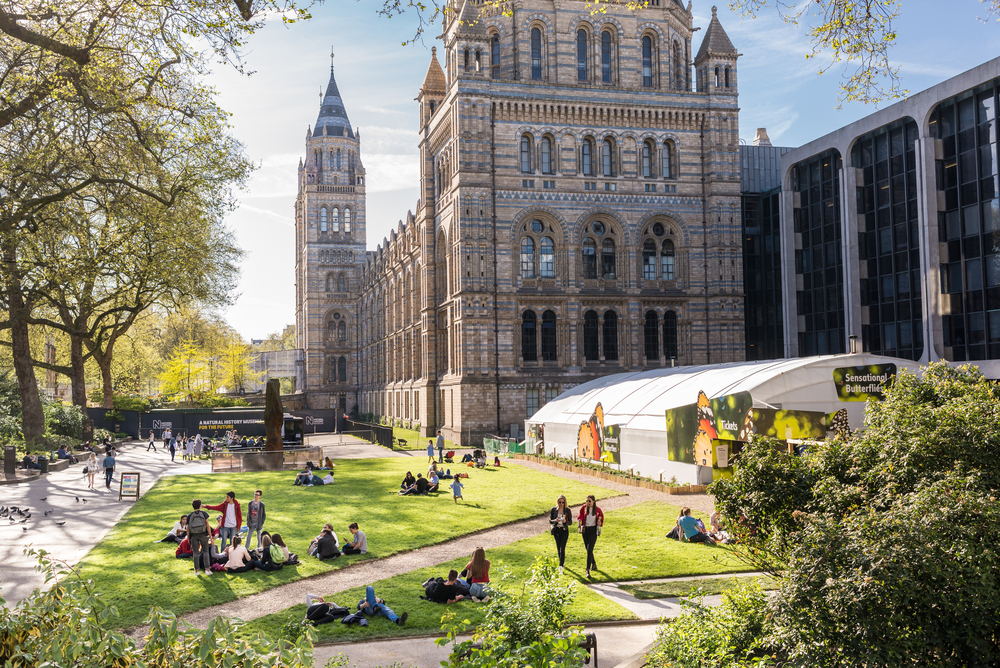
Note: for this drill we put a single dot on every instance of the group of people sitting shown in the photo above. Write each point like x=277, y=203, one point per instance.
x=477, y=458
x=271, y=554
x=692, y=529
x=422, y=485
x=308, y=477
x=327, y=546
x=472, y=583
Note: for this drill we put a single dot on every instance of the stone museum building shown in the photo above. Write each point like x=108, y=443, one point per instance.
x=579, y=216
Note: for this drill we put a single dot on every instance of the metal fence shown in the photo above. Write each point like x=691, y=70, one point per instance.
x=235, y=461
x=380, y=434
x=498, y=445
x=366, y=435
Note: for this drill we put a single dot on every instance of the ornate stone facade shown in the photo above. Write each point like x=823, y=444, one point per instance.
x=329, y=255
x=579, y=216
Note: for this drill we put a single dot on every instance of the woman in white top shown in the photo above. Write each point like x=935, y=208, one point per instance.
x=239, y=559
x=91, y=469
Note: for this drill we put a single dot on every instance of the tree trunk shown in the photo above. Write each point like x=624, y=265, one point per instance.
x=32, y=417
x=104, y=364
x=274, y=416
x=78, y=381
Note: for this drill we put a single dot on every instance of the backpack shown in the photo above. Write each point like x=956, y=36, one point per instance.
x=198, y=524
x=277, y=554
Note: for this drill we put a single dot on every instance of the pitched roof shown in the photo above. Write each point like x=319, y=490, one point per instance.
x=333, y=119
x=471, y=24
x=434, y=81
x=716, y=40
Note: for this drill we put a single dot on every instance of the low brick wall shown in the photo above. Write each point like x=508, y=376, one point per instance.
x=615, y=477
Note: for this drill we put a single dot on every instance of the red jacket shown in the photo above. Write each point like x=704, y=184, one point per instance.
x=222, y=509
x=183, y=548
x=582, y=518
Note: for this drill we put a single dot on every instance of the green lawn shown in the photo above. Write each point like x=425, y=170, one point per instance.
x=631, y=547
x=705, y=587
x=414, y=441
x=133, y=573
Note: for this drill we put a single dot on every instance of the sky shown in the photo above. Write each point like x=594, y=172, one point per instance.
x=379, y=78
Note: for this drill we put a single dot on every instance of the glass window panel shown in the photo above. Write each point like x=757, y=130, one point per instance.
x=667, y=260
x=610, y=336
x=670, y=335
x=549, y=337
x=649, y=260
x=529, y=348
x=581, y=55
x=591, y=341
x=589, y=258
x=527, y=257
x=973, y=275
x=651, y=336
x=606, y=56
x=547, y=258
x=608, y=259
x=970, y=218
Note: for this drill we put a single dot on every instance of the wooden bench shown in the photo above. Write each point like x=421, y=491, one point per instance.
x=588, y=643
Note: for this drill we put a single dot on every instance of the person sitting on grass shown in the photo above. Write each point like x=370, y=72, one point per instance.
x=184, y=550
x=326, y=547
x=304, y=477
x=267, y=560
x=447, y=591
x=315, y=541
x=290, y=558
x=178, y=533
x=496, y=461
x=691, y=530
x=214, y=555
x=715, y=522
x=359, y=545
x=408, y=486
x=421, y=484
x=372, y=605
x=240, y=560
x=477, y=572
x=434, y=483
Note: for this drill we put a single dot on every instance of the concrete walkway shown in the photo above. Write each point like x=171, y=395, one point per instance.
x=615, y=645
x=85, y=523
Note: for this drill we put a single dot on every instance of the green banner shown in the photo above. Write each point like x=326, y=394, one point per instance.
x=861, y=383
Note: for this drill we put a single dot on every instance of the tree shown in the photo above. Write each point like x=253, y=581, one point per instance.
x=237, y=364
x=885, y=543
x=184, y=372
x=859, y=32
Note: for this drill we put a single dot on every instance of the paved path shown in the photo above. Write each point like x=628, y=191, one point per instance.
x=615, y=645
x=85, y=523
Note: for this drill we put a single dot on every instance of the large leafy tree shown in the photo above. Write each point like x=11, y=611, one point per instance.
x=885, y=544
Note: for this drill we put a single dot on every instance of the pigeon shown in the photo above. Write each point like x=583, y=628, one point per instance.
x=46, y=513
x=77, y=499
x=44, y=498
x=24, y=528
x=27, y=517
x=24, y=520
x=85, y=500
x=60, y=523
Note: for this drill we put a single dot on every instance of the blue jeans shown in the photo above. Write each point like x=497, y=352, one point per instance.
x=253, y=531
x=226, y=535
x=478, y=589
x=375, y=608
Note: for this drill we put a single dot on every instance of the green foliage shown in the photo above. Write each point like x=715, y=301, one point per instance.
x=122, y=402
x=729, y=635
x=221, y=401
x=887, y=541
x=68, y=625
x=523, y=625
x=63, y=419
x=101, y=434
x=10, y=407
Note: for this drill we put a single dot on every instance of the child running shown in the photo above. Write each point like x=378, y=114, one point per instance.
x=456, y=488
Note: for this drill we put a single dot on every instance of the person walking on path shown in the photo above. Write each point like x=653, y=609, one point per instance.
x=91, y=469
x=255, y=517
x=591, y=520
x=198, y=537
x=440, y=444
x=430, y=451
x=109, y=468
x=561, y=519
x=173, y=447
x=232, y=518
x=152, y=442
x=167, y=435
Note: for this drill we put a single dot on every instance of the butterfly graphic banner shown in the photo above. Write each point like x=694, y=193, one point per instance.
x=598, y=441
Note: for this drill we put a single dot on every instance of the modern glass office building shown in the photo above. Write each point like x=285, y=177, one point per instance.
x=890, y=232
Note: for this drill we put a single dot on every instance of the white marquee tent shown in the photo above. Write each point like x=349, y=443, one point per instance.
x=637, y=402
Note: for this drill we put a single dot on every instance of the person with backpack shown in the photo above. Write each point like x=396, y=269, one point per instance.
x=272, y=558
x=197, y=525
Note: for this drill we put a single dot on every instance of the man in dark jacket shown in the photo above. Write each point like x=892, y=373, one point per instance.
x=255, y=517
x=327, y=547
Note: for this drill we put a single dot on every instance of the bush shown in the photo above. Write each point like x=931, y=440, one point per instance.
x=730, y=635
x=101, y=434
x=66, y=626
x=221, y=401
x=63, y=419
x=56, y=440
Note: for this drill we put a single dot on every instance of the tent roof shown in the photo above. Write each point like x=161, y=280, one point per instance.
x=640, y=400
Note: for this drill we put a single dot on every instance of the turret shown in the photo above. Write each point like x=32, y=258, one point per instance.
x=715, y=63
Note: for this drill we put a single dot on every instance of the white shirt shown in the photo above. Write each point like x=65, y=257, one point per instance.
x=230, y=515
x=591, y=520
x=328, y=480
x=236, y=557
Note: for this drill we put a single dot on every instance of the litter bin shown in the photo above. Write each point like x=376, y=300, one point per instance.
x=43, y=464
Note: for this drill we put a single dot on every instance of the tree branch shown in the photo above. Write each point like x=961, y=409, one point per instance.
x=9, y=25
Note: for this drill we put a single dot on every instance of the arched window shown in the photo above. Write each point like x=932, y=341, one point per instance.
x=347, y=219
x=338, y=158
x=607, y=158
x=591, y=340
x=587, y=156
x=648, y=158
x=610, y=335
x=466, y=60
x=608, y=259
x=527, y=257
x=651, y=336
x=667, y=160
x=716, y=77
x=679, y=83
x=341, y=283
x=529, y=348
x=589, y=258
x=495, y=56
x=342, y=331
x=606, y=56
x=547, y=258
x=549, y=337
x=332, y=163
x=581, y=55
x=546, y=151
x=670, y=335
x=329, y=282
x=433, y=107
x=322, y=219
x=526, y=154
x=727, y=77
x=331, y=332
x=667, y=260
x=335, y=220
x=647, y=61
x=342, y=369
x=649, y=260
x=536, y=53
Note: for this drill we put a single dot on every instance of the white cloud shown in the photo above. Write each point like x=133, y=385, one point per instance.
x=273, y=215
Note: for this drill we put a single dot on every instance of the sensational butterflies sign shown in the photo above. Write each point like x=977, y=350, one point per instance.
x=597, y=441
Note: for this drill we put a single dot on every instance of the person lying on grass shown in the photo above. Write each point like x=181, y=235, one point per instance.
x=447, y=591
x=372, y=605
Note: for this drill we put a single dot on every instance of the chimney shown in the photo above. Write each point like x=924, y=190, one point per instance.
x=761, y=138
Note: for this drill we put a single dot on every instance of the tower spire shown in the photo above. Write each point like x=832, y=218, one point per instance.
x=332, y=119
